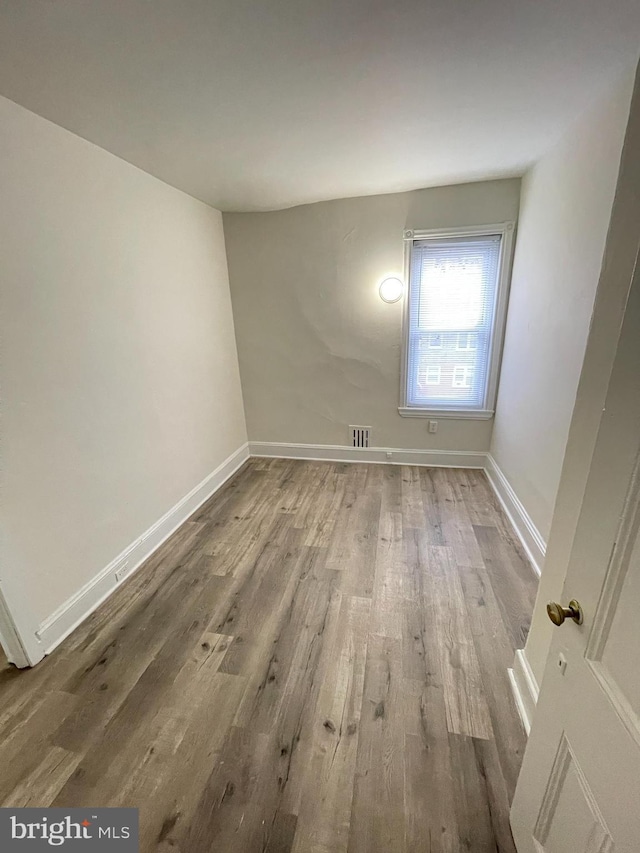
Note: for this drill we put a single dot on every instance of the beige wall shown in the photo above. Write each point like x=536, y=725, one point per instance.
x=318, y=348
x=119, y=377
x=620, y=257
x=564, y=213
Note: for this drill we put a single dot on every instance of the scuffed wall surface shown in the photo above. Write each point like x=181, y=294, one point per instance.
x=318, y=348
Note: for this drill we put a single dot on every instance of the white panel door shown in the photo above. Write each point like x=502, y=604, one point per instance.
x=579, y=788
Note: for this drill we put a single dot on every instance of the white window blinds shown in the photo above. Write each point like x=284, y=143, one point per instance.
x=453, y=290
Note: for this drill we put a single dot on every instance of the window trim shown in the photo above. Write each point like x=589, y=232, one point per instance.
x=487, y=411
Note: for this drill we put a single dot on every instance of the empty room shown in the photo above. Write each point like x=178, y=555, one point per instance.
x=320, y=426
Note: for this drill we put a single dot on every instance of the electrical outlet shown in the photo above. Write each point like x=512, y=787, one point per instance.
x=433, y=426
x=389, y=454
x=122, y=570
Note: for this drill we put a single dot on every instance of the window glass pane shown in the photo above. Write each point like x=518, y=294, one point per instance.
x=466, y=340
x=452, y=297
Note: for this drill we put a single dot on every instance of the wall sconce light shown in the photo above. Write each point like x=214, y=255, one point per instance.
x=391, y=289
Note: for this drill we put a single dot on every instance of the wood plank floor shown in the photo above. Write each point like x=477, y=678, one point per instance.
x=315, y=662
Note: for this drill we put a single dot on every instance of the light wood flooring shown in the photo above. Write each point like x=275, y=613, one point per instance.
x=315, y=662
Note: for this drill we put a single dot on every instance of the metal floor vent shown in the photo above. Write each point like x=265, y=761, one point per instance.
x=360, y=436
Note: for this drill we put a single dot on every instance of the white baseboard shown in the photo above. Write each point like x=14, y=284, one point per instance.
x=525, y=688
x=528, y=534
x=16, y=650
x=521, y=677
x=75, y=610
x=379, y=455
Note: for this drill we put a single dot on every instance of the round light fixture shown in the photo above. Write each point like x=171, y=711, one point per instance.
x=391, y=289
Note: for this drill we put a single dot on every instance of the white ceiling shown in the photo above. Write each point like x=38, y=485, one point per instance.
x=262, y=104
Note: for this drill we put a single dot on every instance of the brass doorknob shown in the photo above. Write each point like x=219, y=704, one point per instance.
x=557, y=613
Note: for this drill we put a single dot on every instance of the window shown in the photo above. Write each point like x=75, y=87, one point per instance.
x=466, y=340
x=456, y=305
x=430, y=375
x=462, y=376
